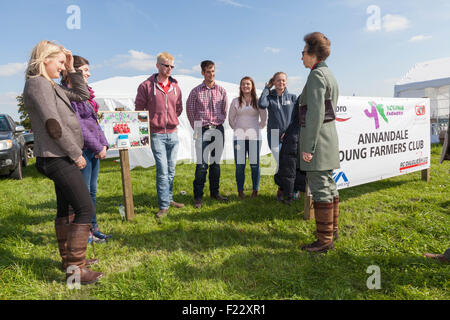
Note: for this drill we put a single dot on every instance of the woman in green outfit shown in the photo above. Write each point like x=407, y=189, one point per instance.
x=319, y=146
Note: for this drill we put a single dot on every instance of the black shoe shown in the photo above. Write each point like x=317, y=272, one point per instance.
x=220, y=198
x=279, y=195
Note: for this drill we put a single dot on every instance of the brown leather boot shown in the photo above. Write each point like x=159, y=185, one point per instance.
x=76, y=253
x=220, y=198
x=176, y=204
x=162, y=213
x=335, y=218
x=323, y=212
x=241, y=194
x=62, y=229
x=198, y=203
x=254, y=194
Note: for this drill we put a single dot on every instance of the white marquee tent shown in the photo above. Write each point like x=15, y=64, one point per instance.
x=120, y=92
x=430, y=79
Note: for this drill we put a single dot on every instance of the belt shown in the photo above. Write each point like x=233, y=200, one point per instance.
x=211, y=126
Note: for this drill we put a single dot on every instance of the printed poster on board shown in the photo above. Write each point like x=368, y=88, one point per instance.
x=125, y=129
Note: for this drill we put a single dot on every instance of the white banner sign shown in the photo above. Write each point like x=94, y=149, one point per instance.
x=380, y=138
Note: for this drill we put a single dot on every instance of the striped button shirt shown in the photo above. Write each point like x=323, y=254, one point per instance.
x=208, y=105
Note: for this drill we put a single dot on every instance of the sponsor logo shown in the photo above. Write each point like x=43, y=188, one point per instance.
x=413, y=163
x=378, y=110
x=341, y=114
x=341, y=179
x=420, y=110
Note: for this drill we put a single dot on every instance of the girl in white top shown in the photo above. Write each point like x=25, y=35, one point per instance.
x=247, y=119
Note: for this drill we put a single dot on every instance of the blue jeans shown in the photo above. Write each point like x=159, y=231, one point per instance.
x=90, y=176
x=274, y=148
x=242, y=148
x=164, y=148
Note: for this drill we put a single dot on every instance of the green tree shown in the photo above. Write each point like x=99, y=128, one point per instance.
x=24, y=117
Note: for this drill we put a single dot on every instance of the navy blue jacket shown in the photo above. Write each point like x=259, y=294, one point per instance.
x=279, y=108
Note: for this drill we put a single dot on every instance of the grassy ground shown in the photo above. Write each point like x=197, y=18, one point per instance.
x=246, y=249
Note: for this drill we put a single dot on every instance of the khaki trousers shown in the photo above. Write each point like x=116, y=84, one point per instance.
x=322, y=186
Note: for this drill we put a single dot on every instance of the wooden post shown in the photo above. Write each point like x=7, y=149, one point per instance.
x=309, y=208
x=426, y=175
x=126, y=184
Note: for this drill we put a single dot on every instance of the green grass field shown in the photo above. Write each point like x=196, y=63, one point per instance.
x=245, y=249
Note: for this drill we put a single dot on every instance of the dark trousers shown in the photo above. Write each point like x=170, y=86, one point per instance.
x=212, y=157
x=70, y=188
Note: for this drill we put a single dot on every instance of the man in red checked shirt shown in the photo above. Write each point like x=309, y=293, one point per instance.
x=206, y=109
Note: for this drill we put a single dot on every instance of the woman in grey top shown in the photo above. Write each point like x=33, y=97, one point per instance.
x=58, y=148
x=279, y=103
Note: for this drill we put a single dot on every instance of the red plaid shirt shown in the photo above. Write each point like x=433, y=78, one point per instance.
x=208, y=105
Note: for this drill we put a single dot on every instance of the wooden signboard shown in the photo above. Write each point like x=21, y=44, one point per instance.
x=126, y=130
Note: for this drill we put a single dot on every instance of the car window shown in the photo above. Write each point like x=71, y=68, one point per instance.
x=4, y=125
x=12, y=123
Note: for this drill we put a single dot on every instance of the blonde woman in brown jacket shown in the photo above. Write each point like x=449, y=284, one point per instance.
x=58, y=148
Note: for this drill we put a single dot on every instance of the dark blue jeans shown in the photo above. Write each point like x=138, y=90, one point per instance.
x=211, y=155
x=242, y=149
x=90, y=176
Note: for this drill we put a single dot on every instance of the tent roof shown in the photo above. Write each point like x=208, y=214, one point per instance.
x=126, y=87
x=428, y=70
x=428, y=74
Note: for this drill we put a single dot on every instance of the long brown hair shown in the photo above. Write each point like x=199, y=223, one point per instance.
x=77, y=62
x=254, y=101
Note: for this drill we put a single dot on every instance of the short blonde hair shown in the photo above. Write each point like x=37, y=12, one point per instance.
x=163, y=56
x=43, y=50
x=278, y=74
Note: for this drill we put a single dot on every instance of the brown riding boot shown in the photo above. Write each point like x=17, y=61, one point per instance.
x=323, y=212
x=62, y=229
x=241, y=194
x=71, y=219
x=335, y=218
x=76, y=253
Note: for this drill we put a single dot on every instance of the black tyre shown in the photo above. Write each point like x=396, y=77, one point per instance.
x=17, y=173
x=25, y=158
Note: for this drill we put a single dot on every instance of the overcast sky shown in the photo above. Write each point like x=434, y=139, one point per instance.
x=373, y=43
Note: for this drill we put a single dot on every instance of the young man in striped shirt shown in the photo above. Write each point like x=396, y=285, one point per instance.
x=206, y=109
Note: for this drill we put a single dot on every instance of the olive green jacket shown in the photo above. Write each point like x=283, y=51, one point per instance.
x=317, y=137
